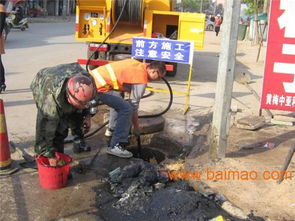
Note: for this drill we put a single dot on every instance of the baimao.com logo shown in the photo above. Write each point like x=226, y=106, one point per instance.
x=223, y=175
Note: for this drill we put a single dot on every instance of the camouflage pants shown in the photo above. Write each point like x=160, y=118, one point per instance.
x=50, y=133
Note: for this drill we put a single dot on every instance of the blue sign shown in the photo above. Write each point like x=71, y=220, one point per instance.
x=163, y=50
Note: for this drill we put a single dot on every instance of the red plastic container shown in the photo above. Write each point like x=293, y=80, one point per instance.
x=53, y=177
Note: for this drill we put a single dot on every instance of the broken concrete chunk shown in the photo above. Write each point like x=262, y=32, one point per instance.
x=159, y=185
x=233, y=210
x=251, y=122
x=114, y=175
x=284, y=118
x=280, y=122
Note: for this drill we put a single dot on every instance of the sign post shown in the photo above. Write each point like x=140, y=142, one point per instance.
x=279, y=72
x=163, y=49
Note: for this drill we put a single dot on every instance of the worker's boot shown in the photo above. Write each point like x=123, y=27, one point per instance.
x=80, y=146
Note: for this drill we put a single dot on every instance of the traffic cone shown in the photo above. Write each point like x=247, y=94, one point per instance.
x=6, y=166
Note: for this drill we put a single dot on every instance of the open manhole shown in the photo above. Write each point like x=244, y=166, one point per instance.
x=156, y=149
x=148, y=154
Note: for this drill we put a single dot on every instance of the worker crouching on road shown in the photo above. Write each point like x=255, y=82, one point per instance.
x=61, y=94
x=111, y=80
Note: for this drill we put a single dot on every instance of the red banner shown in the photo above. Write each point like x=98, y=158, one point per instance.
x=279, y=74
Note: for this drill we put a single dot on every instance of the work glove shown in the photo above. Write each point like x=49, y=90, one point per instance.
x=86, y=124
x=55, y=161
x=80, y=146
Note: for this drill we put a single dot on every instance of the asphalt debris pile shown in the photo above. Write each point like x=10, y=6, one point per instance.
x=134, y=185
x=143, y=191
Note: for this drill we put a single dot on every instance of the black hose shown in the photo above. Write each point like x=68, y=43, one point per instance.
x=148, y=95
x=169, y=105
x=113, y=29
x=96, y=130
x=89, y=134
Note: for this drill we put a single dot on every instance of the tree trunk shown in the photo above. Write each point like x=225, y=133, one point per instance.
x=266, y=6
x=256, y=24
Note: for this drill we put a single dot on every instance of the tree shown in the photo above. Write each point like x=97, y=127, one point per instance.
x=254, y=8
x=266, y=6
x=254, y=5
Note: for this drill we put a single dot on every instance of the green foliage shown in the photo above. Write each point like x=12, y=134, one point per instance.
x=194, y=5
x=251, y=6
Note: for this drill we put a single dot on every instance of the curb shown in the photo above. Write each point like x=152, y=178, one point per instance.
x=51, y=19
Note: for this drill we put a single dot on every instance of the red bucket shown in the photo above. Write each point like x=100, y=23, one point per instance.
x=53, y=177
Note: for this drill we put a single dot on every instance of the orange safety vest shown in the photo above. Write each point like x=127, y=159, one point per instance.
x=218, y=21
x=114, y=75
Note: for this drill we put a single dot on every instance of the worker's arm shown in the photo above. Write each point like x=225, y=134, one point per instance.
x=137, y=92
x=46, y=127
x=48, y=117
x=44, y=139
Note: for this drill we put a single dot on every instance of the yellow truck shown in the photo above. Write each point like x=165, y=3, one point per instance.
x=108, y=27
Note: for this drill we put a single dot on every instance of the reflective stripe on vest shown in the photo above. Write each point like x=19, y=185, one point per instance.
x=98, y=78
x=113, y=76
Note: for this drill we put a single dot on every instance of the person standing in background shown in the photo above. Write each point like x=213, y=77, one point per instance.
x=2, y=39
x=218, y=22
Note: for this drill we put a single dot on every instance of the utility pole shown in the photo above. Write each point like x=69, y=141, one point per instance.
x=225, y=79
x=64, y=8
x=45, y=7
x=201, y=6
x=68, y=8
x=56, y=7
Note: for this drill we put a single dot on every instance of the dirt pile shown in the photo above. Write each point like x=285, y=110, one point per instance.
x=141, y=191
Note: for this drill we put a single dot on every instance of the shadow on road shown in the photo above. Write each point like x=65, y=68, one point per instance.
x=205, y=68
x=19, y=103
x=24, y=90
